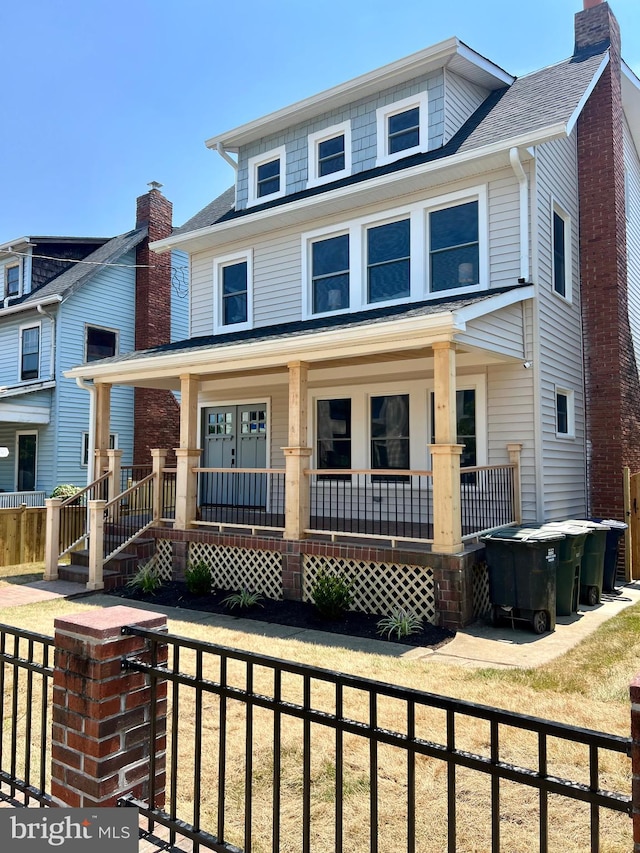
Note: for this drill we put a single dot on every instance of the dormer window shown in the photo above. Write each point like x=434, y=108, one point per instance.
x=267, y=176
x=12, y=280
x=402, y=128
x=329, y=154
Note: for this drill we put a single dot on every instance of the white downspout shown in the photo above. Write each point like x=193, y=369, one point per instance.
x=225, y=156
x=90, y=387
x=52, y=320
x=521, y=175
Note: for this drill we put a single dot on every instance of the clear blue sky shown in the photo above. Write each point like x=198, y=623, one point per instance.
x=102, y=96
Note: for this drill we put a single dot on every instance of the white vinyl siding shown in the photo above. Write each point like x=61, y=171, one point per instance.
x=500, y=332
x=461, y=99
x=504, y=229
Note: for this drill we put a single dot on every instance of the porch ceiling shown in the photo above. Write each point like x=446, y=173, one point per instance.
x=407, y=337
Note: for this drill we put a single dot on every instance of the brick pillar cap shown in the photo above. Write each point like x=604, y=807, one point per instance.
x=108, y=623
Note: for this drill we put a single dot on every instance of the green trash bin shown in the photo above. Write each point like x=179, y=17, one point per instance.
x=570, y=552
x=592, y=568
x=522, y=565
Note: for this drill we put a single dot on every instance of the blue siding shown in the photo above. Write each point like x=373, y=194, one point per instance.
x=179, y=296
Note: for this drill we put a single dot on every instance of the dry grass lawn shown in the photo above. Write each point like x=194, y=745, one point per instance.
x=587, y=687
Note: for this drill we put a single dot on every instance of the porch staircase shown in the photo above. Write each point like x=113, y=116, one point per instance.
x=117, y=571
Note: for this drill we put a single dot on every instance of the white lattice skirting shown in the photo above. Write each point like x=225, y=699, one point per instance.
x=481, y=602
x=378, y=587
x=241, y=568
x=164, y=559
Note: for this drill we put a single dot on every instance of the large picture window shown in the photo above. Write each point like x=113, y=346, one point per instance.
x=454, y=247
x=333, y=428
x=330, y=274
x=388, y=261
x=390, y=433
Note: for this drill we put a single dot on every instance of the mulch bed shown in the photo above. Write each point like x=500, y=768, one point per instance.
x=297, y=614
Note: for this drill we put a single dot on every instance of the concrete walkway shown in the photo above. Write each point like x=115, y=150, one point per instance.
x=479, y=645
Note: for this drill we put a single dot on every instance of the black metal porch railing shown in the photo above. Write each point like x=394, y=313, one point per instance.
x=131, y=474
x=74, y=519
x=487, y=498
x=128, y=515
x=397, y=504
x=243, y=497
x=25, y=698
x=168, y=493
x=267, y=754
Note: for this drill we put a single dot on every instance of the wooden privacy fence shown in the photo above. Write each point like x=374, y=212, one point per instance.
x=22, y=535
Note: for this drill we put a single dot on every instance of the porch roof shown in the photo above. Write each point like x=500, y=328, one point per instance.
x=406, y=327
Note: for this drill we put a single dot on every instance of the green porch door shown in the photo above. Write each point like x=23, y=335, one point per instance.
x=235, y=437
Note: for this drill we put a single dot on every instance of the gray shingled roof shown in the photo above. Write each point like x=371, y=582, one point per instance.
x=69, y=281
x=321, y=324
x=541, y=99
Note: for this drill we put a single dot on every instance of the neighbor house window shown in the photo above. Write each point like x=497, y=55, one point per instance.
x=388, y=263
x=113, y=445
x=560, y=254
x=232, y=282
x=267, y=176
x=564, y=413
x=390, y=433
x=454, y=247
x=329, y=154
x=26, y=461
x=402, y=128
x=30, y=352
x=12, y=280
x=333, y=430
x=330, y=274
x=100, y=343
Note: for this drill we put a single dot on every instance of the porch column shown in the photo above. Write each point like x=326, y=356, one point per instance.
x=114, y=463
x=515, y=452
x=297, y=455
x=103, y=417
x=445, y=454
x=187, y=455
x=158, y=459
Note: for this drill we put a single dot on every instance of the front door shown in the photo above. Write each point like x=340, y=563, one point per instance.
x=235, y=437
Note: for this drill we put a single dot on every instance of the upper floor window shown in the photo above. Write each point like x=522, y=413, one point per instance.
x=267, y=176
x=565, y=418
x=454, y=247
x=100, y=343
x=232, y=288
x=561, y=265
x=388, y=261
x=12, y=280
x=329, y=154
x=330, y=274
x=30, y=352
x=402, y=128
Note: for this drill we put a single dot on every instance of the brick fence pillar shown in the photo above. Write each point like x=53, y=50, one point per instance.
x=634, y=691
x=101, y=715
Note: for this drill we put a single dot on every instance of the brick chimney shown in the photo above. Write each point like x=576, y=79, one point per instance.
x=611, y=375
x=156, y=412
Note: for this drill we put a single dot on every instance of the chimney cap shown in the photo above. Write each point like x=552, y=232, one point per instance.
x=589, y=4
x=156, y=186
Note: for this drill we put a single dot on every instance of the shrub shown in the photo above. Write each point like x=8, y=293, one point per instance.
x=65, y=490
x=401, y=622
x=146, y=580
x=331, y=594
x=198, y=578
x=243, y=599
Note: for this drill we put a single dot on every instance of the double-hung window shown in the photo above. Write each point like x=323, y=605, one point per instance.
x=329, y=154
x=330, y=274
x=565, y=418
x=12, y=280
x=388, y=261
x=454, y=247
x=402, y=128
x=267, y=176
x=30, y=352
x=232, y=286
x=561, y=260
x=333, y=430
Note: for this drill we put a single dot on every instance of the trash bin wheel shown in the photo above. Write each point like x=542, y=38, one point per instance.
x=593, y=595
x=540, y=621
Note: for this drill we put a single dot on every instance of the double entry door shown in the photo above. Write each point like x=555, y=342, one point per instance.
x=235, y=437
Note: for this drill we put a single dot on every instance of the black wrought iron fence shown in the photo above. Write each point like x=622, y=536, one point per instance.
x=268, y=754
x=26, y=679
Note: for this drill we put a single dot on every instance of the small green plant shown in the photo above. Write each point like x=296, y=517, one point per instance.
x=198, y=578
x=401, y=622
x=242, y=599
x=65, y=490
x=331, y=594
x=146, y=580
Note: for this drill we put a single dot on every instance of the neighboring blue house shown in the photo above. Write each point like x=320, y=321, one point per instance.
x=68, y=301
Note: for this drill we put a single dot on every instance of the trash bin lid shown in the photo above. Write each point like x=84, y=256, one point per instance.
x=612, y=523
x=591, y=525
x=526, y=534
x=569, y=528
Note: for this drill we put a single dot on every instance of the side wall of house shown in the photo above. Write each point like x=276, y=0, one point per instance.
x=558, y=350
x=632, y=174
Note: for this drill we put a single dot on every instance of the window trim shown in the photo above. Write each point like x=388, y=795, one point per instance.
x=12, y=265
x=260, y=160
x=219, y=326
x=22, y=329
x=115, y=332
x=570, y=434
x=20, y=432
x=384, y=113
x=313, y=144
x=557, y=210
x=84, y=446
